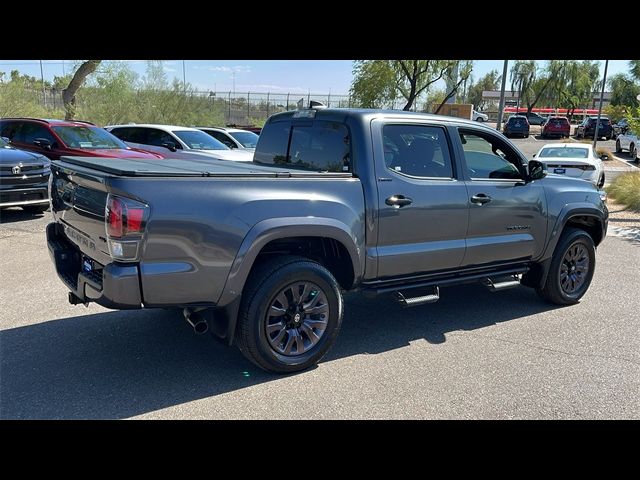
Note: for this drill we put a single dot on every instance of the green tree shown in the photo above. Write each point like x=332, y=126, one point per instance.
x=377, y=83
x=634, y=67
x=491, y=81
x=575, y=85
x=623, y=90
x=522, y=75
x=69, y=94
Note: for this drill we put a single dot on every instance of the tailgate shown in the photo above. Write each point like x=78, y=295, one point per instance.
x=78, y=199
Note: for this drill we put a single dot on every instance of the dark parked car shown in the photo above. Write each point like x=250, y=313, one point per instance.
x=621, y=127
x=556, y=127
x=381, y=202
x=516, y=126
x=54, y=138
x=588, y=128
x=23, y=179
x=533, y=118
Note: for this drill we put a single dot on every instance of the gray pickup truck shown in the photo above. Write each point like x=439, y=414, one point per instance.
x=385, y=202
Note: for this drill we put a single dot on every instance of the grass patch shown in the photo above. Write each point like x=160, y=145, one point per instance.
x=625, y=189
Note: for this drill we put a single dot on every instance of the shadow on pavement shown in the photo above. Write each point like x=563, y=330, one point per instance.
x=119, y=364
x=12, y=215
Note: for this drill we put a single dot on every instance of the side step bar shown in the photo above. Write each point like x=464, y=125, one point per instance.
x=511, y=282
x=421, y=300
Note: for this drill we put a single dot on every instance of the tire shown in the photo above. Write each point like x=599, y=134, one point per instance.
x=618, y=149
x=632, y=151
x=601, y=181
x=480, y=119
x=35, y=209
x=276, y=279
x=553, y=290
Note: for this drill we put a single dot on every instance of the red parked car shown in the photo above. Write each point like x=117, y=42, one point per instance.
x=558, y=126
x=54, y=138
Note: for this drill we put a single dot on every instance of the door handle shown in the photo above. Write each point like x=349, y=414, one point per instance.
x=480, y=199
x=398, y=201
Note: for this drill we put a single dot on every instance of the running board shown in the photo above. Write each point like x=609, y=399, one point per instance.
x=512, y=282
x=421, y=300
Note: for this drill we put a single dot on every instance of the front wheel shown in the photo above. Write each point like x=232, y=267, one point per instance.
x=571, y=270
x=618, y=148
x=633, y=152
x=290, y=315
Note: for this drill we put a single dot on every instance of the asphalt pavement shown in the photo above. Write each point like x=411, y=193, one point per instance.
x=473, y=355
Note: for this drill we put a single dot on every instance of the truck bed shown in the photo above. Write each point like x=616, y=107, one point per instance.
x=123, y=167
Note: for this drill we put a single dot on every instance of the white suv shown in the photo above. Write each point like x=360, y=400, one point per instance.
x=233, y=137
x=171, y=138
x=628, y=141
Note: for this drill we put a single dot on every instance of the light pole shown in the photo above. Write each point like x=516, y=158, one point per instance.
x=604, y=81
x=501, y=104
x=44, y=97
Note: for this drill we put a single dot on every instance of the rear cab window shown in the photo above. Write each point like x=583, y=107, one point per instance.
x=319, y=146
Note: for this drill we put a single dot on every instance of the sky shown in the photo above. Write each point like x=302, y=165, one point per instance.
x=276, y=76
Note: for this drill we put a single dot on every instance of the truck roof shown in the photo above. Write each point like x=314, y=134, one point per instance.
x=341, y=114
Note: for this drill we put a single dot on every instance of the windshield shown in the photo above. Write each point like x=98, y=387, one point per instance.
x=199, y=140
x=88, y=137
x=246, y=139
x=564, y=152
x=3, y=144
x=517, y=119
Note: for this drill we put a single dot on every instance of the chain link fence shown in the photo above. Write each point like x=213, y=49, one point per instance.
x=247, y=108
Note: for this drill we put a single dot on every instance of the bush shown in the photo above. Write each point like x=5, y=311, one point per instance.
x=625, y=189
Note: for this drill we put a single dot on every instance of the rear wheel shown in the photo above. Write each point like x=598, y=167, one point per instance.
x=571, y=270
x=290, y=315
x=601, y=181
x=35, y=209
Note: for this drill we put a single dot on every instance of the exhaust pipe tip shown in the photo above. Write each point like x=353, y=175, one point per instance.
x=197, y=321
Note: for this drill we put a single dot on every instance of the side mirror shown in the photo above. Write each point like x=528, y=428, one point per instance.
x=170, y=145
x=534, y=155
x=536, y=170
x=232, y=145
x=43, y=143
x=604, y=156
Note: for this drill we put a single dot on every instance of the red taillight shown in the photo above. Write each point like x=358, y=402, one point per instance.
x=134, y=220
x=114, y=217
x=124, y=217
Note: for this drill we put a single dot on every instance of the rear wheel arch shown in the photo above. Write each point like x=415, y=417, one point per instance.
x=286, y=235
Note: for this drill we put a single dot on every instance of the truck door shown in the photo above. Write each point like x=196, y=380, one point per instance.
x=507, y=215
x=422, y=207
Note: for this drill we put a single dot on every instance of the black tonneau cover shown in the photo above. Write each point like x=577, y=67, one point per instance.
x=127, y=167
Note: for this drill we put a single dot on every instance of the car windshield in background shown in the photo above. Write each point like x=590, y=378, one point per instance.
x=565, y=152
x=3, y=144
x=199, y=140
x=247, y=139
x=88, y=137
x=558, y=121
x=516, y=119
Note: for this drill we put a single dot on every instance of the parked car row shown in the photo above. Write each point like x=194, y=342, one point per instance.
x=28, y=145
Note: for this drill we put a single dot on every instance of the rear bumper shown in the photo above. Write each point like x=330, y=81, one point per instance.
x=112, y=286
x=16, y=197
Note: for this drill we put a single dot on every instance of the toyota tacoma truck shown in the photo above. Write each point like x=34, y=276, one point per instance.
x=384, y=202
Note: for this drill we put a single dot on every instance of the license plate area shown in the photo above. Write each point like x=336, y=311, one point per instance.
x=560, y=170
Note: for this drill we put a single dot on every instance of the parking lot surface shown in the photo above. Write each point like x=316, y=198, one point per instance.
x=472, y=355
